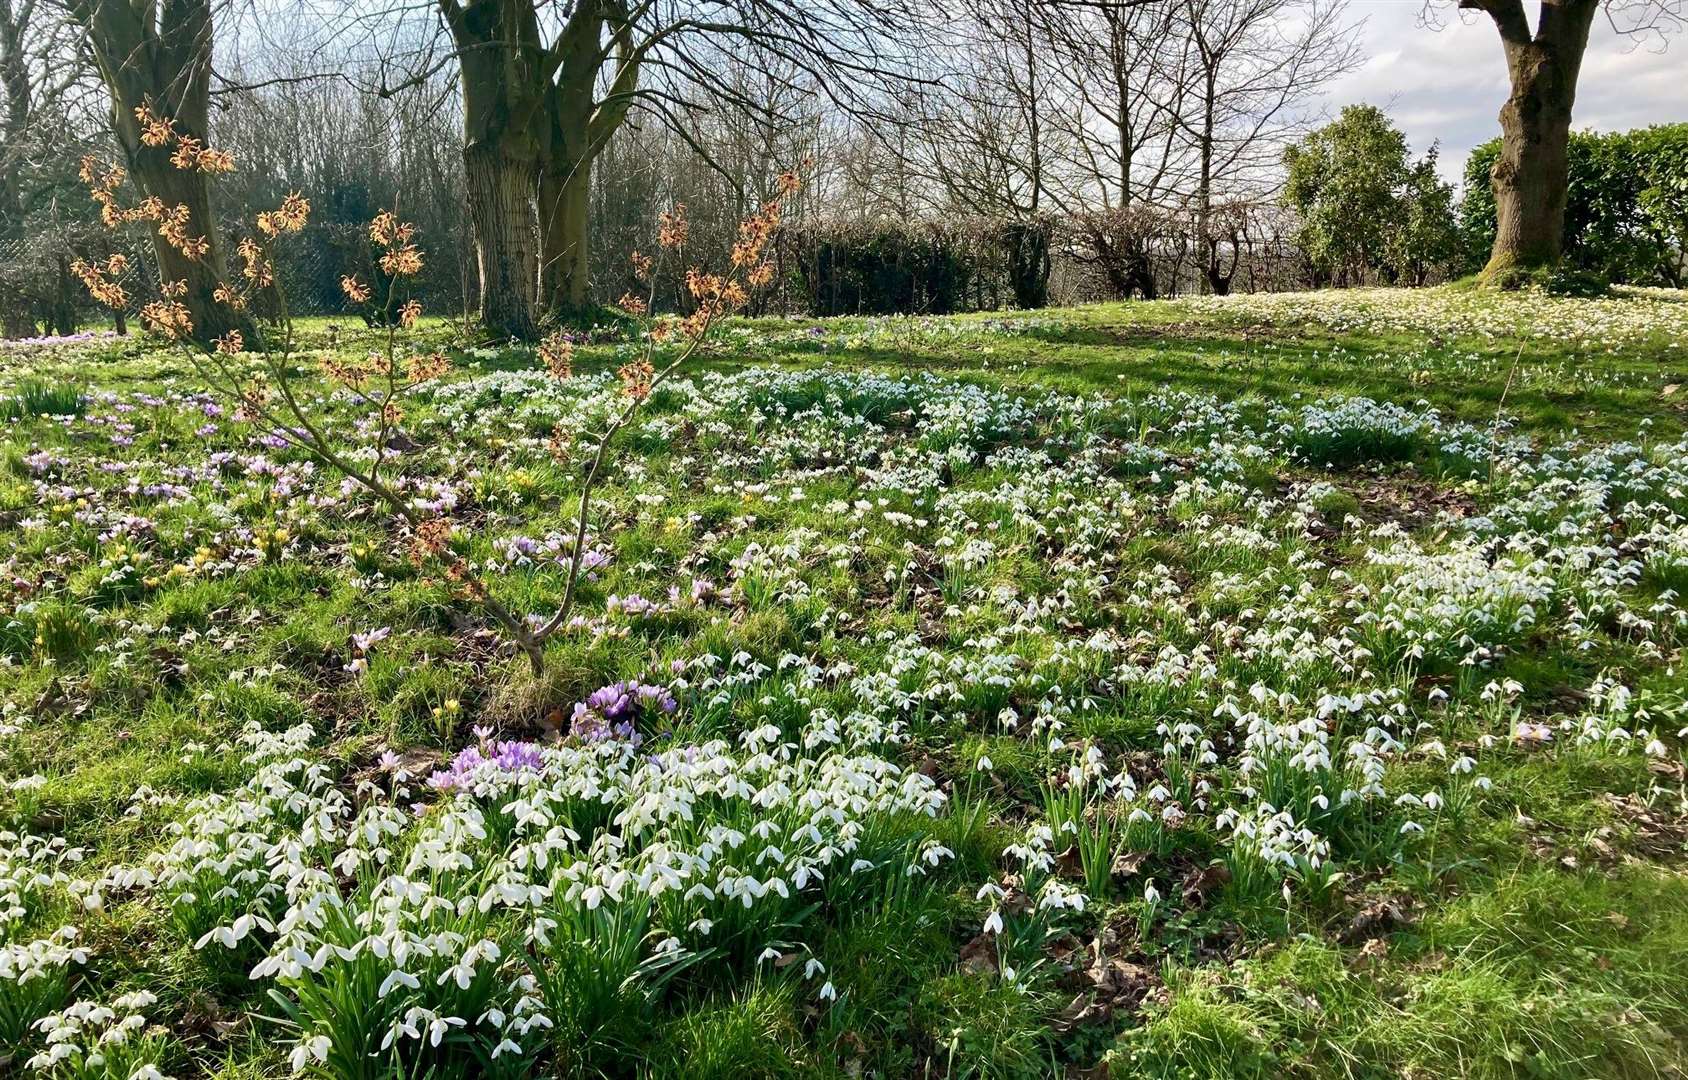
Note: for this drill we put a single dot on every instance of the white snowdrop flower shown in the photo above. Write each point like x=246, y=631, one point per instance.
x=993, y=922
x=397, y=978
x=1151, y=894
x=312, y=1049
x=440, y=1025
x=984, y=763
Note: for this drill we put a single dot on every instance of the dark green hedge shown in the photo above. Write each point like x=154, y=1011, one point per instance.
x=1626, y=218
x=934, y=267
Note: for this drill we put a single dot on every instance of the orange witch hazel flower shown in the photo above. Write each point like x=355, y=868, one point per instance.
x=423, y=368
x=155, y=130
x=403, y=261
x=388, y=231
x=101, y=288
x=636, y=379
x=291, y=217
x=558, y=354
x=167, y=318
x=672, y=227
x=401, y=258
x=356, y=291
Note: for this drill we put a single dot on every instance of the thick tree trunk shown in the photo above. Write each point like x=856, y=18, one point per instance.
x=1531, y=175
x=161, y=58
x=16, y=321
x=578, y=126
x=178, y=187
x=565, y=213
x=505, y=84
x=501, y=190
x=15, y=318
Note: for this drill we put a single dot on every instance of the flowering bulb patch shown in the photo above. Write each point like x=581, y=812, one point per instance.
x=917, y=723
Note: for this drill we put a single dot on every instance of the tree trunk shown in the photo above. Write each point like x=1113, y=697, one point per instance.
x=178, y=187
x=15, y=319
x=1143, y=274
x=1219, y=276
x=1026, y=244
x=1531, y=175
x=161, y=58
x=580, y=121
x=501, y=206
x=505, y=83
x=565, y=214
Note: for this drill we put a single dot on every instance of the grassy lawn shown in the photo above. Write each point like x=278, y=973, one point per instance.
x=1260, y=686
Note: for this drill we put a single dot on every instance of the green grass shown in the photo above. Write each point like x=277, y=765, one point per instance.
x=1065, y=566
x=32, y=397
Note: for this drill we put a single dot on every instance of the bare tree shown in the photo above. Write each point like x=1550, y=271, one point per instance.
x=1123, y=69
x=1255, y=64
x=1531, y=176
x=505, y=74
x=1124, y=72
x=18, y=83
x=978, y=140
x=546, y=83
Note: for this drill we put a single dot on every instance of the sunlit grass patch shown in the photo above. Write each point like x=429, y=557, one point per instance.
x=1166, y=689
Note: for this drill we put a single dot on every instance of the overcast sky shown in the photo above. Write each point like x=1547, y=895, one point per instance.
x=1449, y=85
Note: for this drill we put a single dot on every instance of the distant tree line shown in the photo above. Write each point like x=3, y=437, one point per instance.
x=963, y=154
